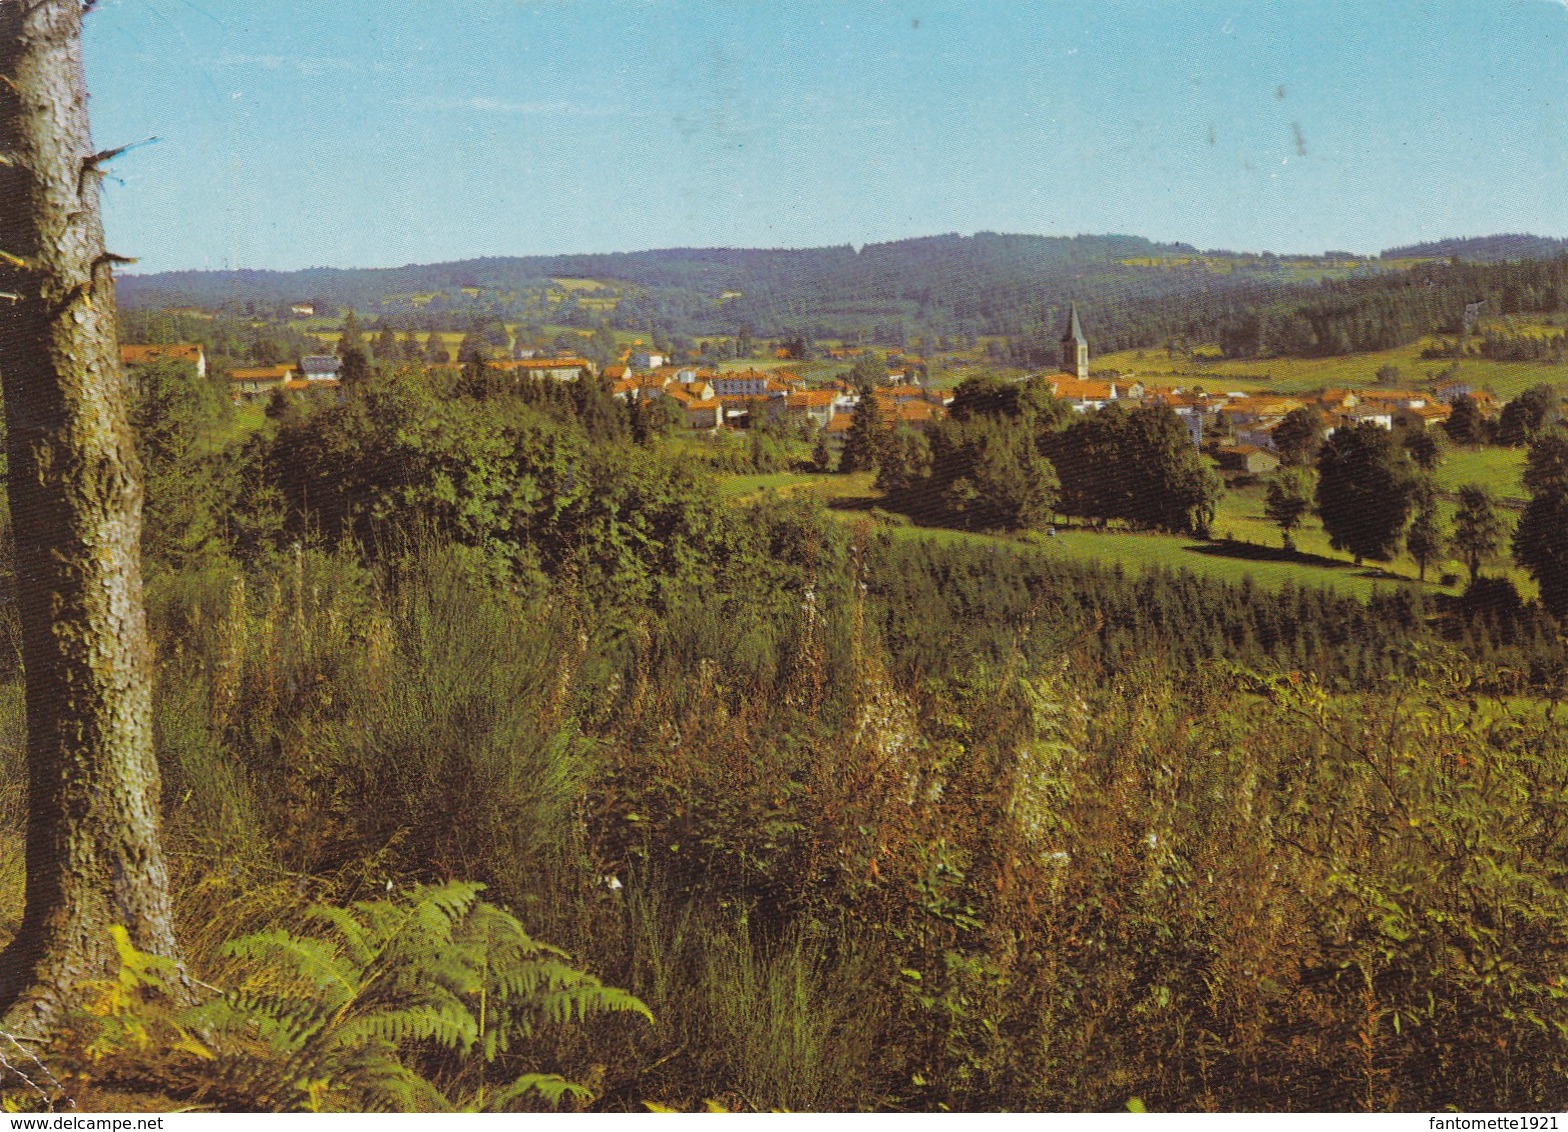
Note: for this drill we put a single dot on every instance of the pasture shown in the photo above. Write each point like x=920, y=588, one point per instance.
x=1497, y=469
x=1345, y=371
x=1251, y=550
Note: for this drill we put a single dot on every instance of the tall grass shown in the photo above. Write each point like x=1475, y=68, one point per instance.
x=325, y=731
x=745, y=1023
x=1006, y=875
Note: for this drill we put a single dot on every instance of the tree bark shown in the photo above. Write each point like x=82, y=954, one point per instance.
x=92, y=856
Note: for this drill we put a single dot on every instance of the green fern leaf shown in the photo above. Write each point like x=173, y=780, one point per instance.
x=552, y=1087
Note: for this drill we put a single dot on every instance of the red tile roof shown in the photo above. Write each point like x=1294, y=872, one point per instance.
x=539, y=363
x=1076, y=389
x=1385, y=395
x=261, y=373
x=172, y=352
x=917, y=412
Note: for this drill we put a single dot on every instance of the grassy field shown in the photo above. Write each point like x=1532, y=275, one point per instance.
x=1302, y=375
x=1252, y=549
x=1240, y=517
x=1496, y=468
x=567, y=284
x=1138, y=552
x=749, y=489
x=1284, y=270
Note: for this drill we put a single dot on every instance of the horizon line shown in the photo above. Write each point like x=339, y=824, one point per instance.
x=858, y=248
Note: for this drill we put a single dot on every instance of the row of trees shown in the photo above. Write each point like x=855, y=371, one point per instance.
x=1370, y=494
x=1010, y=456
x=1500, y=346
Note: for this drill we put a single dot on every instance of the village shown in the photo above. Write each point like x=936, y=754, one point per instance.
x=1238, y=429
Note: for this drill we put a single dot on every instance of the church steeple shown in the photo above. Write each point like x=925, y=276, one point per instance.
x=1075, y=347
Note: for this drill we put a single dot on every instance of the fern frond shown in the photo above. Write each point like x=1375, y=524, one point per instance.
x=344, y=1016
x=454, y=1028
x=375, y=1082
x=283, y=1023
x=303, y=958
x=552, y=1087
x=451, y=901
x=581, y=1003
x=356, y=944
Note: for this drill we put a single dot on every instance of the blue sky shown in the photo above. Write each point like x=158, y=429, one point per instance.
x=297, y=133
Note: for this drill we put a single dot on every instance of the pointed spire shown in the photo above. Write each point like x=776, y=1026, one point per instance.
x=1074, y=332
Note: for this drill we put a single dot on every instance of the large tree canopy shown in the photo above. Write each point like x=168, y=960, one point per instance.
x=1140, y=466
x=1541, y=540
x=1366, y=483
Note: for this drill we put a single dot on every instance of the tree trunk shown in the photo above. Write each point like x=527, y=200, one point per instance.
x=92, y=857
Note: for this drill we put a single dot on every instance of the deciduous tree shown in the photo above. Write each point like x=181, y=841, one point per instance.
x=1172, y=488
x=1365, y=486
x=1423, y=449
x=1526, y=415
x=1296, y=436
x=868, y=372
x=1466, y=425
x=1540, y=542
x=1287, y=501
x=1424, y=539
x=1478, y=527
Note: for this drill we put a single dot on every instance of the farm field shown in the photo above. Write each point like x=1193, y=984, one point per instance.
x=1286, y=269
x=1353, y=371
x=749, y=489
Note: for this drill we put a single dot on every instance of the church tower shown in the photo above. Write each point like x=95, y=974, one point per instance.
x=1075, y=347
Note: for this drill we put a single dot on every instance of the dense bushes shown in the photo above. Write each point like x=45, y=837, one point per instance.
x=982, y=835
x=515, y=476
x=868, y=821
x=1061, y=891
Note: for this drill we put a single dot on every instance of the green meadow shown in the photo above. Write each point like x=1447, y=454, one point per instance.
x=1347, y=371
x=1498, y=469
x=1246, y=545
